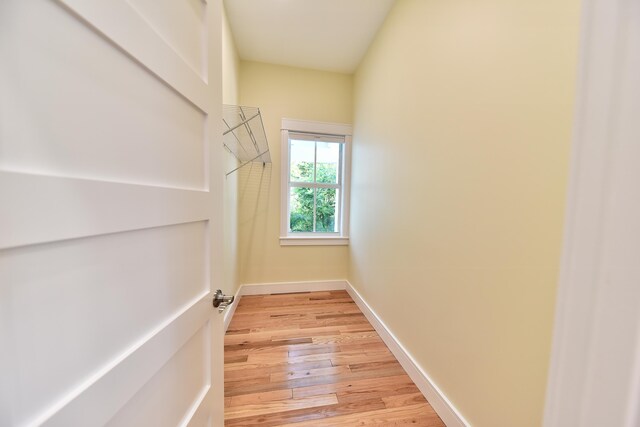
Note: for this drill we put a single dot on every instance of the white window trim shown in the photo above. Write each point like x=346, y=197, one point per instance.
x=315, y=239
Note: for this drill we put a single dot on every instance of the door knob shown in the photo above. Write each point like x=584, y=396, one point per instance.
x=222, y=301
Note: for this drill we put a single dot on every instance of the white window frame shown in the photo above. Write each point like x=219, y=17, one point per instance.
x=288, y=238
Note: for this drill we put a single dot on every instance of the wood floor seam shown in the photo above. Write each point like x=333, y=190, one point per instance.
x=313, y=359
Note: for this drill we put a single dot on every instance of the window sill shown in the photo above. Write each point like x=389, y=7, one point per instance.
x=314, y=241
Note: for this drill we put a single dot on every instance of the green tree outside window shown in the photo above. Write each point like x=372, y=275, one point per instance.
x=301, y=219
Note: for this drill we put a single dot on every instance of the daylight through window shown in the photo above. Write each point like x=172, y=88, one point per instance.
x=315, y=185
x=315, y=180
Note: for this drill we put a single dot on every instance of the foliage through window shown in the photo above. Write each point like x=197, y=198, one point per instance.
x=315, y=179
x=315, y=183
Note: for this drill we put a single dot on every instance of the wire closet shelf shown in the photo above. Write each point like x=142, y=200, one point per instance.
x=244, y=135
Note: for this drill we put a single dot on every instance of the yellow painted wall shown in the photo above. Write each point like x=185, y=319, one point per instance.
x=230, y=63
x=463, y=113
x=230, y=71
x=293, y=93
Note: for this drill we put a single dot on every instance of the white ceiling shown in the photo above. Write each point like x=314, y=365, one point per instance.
x=328, y=35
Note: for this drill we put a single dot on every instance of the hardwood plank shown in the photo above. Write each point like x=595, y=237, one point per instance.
x=313, y=323
x=248, y=336
x=318, y=413
x=369, y=366
x=232, y=389
x=255, y=327
x=239, y=374
x=292, y=293
x=416, y=415
x=314, y=359
x=315, y=349
x=235, y=358
x=254, y=398
x=330, y=309
x=349, y=338
x=262, y=344
x=355, y=386
x=236, y=331
x=396, y=401
x=337, y=358
x=337, y=315
x=281, y=367
x=270, y=407
x=293, y=367
x=292, y=375
x=297, y=302
x=248, y=383
x=306, y=333
x=364, y=346
x=282, y=351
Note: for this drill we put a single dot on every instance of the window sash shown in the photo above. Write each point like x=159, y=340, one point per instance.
x=316, y=185
x=315, y=163
x=300, y=136
x=338, y=215
x=304, y=130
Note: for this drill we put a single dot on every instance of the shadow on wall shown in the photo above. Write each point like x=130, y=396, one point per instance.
x=254, y=196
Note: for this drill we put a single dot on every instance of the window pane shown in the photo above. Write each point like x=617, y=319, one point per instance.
x=301, y=205
x=302, y=158
x=328, y=161
x=327, y=210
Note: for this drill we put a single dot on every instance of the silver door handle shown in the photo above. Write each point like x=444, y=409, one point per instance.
x=222, y=301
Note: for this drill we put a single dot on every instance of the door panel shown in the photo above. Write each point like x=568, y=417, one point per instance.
x=97, y=207
x=80, y=107
x=124, y=27
x=158, y=403
x=110, y=216
x=182, y=24
x=143, y=277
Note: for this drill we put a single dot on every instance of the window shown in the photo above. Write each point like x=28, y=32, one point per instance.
x=315, y=183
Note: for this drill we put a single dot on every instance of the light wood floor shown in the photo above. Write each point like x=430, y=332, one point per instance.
x=313, y=359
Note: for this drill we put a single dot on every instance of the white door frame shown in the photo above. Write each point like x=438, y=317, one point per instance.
x=594, y=377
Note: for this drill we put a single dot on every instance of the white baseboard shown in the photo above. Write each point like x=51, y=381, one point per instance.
x=232, y=308
x=280, y=288
x=288, y=287
x=445, y=409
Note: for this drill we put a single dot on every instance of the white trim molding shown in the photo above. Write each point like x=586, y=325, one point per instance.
x=314, y=241
x=290, y=287
x=594, y=376
x=440, y=403
x=340, y=129
x=280, y=288
x=344, y=132
x=232, y=308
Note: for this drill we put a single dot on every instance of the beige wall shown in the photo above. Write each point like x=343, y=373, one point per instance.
x=463, y=113
x=294, y=93
x=230, y=70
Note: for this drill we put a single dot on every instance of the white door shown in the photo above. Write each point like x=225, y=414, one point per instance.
x=110, y=219
x=595, y=365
